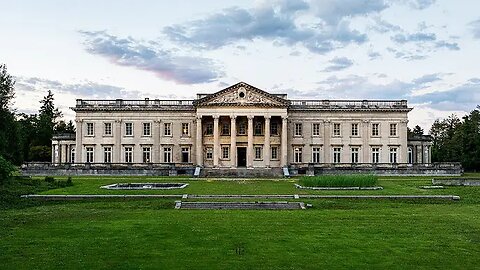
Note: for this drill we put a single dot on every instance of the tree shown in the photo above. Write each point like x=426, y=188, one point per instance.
x=28, y=132
x=9, y=136
x=445, y=147
x=63, y=127
x=417, y=130
x=47, y=120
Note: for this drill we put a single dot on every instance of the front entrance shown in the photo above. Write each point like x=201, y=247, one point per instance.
x=241, y=157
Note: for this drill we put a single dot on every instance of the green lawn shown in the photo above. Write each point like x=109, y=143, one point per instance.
x=146, y=234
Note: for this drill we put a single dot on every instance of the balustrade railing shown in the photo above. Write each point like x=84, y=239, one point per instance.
x=349, y=103
x=127, y=102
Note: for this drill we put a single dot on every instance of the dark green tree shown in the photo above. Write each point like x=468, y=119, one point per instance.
x=417, y=130
x=62, y=127
x=47, y=120
x=28, y=132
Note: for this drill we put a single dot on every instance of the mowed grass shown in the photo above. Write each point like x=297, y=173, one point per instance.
x=358, y=180
x=150, y=234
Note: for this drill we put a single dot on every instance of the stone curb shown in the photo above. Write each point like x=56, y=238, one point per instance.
x=338, y=188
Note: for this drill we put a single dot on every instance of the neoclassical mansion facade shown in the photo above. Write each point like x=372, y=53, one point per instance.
x=240, y=126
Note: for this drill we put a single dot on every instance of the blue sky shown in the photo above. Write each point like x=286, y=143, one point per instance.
x=426, y=51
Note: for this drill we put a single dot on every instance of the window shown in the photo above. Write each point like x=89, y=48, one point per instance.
x=242, y=128
x=316, y=154
x=107, y=154
x=225, y=129
x=185, y=129
x=375, y=129
x=225, y=152
x=375, y=154
x=258, y=152
x=354, y=153
x=258, y=128
x=107, y=129
x=147, y=130
x=147, y=154
x=89, y=152
x=355, y=129
x=167, y=154
x=410, y=155
x=128, y=154
x=274, y=152
x=274, y=128
x=72, y=155
x=336, y=129
x=393, y=155
x=167, y=129
x=128, y=129
x=393, y=129
x=316, y=129
x=209, y=129
x=337, y=151
x=298, y=129
x=89, y=129
x=297, y=154
x=209, y=153
x=185, y=154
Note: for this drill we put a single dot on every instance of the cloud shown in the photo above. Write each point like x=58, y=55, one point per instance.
x=383, y=26
x=427, y=79
x=475, y=27
x=150, y=56
x=415, y=4
x=338, y=63
x=277, y=21
x=417, y=37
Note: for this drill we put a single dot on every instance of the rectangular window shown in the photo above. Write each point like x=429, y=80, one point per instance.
x=354, y=158
x=316, y=154
x=89, y=152
x=258, y=128
x=393, y=155
x=393, y=130
x=225, y=129
x=274, y=129
x=337, y=154
x=185, y=129
x=298, y=129
x=336, y=129
x=209, y=129
x=167, y=154
x=167, y=129
x=410, y=155
x=72, y=155
x=258, y=152
x=316, y=129
x=128, y=154
x=147, y=154
x=147, y=129
x=185, y=154
x=107, y=129
x=297, y=154
x=209, y=153
x=354, y=129
x=274, y=154
x=225, y=152
x=375, y=129
x=107, y=154
x=242, y=128
x=375, y=154
x=128, y=129
x=90, y=129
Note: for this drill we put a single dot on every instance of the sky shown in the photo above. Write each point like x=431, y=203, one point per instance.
x=425, y=51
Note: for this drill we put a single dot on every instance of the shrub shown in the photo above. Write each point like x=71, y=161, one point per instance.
x=360, y=180
x=49, y=179
x=6, y=170
x=69, y=181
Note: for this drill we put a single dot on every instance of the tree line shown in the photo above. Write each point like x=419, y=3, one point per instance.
x=27, y=137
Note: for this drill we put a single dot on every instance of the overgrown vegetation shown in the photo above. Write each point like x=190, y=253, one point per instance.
x=360, y=180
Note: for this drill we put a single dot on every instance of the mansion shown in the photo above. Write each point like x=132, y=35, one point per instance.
x=241, y=126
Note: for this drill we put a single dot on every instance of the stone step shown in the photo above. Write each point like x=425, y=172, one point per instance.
x=240, y=205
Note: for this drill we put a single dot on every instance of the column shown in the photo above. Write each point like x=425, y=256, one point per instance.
x=233, y=141
x=250, y=142
x=365, y=141
x=284, y=156
x=216, y=141
x=327, y=148
x=117, y=156
x=157, y=132
x=198, y=142
x=266, y=146
x=78, y=141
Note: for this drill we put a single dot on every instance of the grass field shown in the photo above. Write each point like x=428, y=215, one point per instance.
x=150, y=234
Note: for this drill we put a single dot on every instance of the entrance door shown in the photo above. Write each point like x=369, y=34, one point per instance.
x=241, y=157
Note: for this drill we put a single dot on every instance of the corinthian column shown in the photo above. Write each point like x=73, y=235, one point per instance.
x=216, y=141
x=266, y=147
x=233, y=141
x=284, y=161
x=250, y=142
x=78, y=141
x=198, y=142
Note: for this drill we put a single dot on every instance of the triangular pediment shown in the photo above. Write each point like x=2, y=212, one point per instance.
x=242, y=94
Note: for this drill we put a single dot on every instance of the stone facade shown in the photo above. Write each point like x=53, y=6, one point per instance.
x=240, y=127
